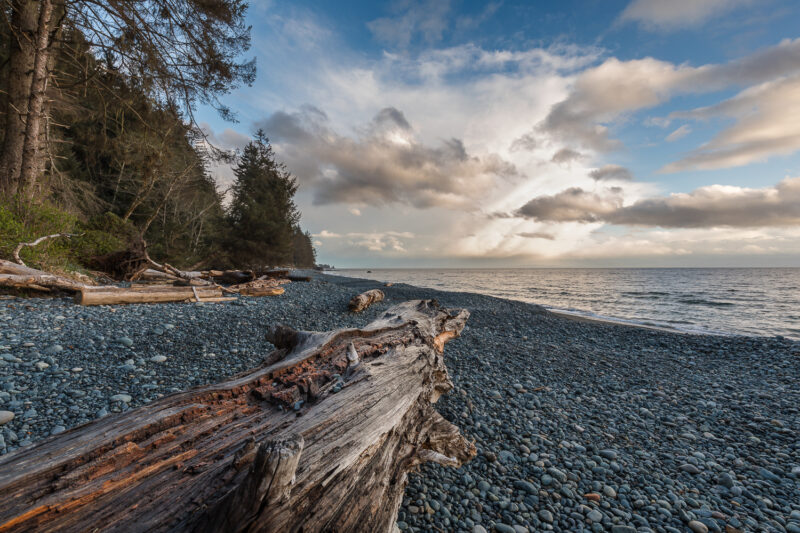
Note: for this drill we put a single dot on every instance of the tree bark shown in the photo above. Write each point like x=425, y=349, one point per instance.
x=247, y=455
x=22, y=53
x=31, y=160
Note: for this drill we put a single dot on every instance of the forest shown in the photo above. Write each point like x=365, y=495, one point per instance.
x=99, y=140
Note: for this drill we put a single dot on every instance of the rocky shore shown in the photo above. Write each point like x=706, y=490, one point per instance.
x=580, y=425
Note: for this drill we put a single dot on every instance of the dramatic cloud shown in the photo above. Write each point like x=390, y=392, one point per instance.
x=679, y=133
x=388, y=241
x=673, y=14
x=611, y=172
x=573, y=205
x=602, y=94
x=566, y=156
x=706, y=207
x=384, y=164
x=423, y=19
x=525, y=142
x=767, y=123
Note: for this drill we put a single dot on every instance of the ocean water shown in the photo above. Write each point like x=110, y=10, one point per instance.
x=725, y=301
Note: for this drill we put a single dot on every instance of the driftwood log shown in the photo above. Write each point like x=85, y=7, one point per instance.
x=320, y=439
x=365, y=299
x=145, y=294
x=24, y=277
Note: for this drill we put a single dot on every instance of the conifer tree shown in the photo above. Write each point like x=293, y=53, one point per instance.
x=262, y=214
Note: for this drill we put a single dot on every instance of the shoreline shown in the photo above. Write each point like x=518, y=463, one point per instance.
x=687, y=311
x=659, y=428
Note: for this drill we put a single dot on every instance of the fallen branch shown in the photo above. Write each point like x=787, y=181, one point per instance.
x=313, y=442
x=365, y=299
x=22, y=245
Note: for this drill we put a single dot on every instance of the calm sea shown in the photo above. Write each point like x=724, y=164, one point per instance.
x=745, y=301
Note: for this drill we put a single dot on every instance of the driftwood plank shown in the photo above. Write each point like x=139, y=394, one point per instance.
x=321, y=439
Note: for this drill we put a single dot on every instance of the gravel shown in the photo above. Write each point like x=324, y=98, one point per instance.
x=580, y=426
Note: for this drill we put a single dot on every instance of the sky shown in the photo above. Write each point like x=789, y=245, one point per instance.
x=454, y=133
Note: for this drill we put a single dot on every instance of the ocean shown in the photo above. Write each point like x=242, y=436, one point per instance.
x=722, y=301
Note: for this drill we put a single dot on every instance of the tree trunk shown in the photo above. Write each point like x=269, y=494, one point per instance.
x=22, y=53
x=247, y=454
x=31, y=160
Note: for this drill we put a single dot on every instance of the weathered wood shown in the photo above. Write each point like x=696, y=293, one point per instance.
x=31, y=244
x=222, y=457
x=365, y=299
x=146, y=294
x=260, y=287
x=24, y=277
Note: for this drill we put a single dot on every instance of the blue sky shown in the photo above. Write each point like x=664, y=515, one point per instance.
x=550, y=133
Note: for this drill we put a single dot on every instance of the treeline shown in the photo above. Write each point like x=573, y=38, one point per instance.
x=98, y=136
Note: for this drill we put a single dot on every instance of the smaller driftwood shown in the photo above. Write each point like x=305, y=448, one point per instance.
x=260, y=287
x=365, y=299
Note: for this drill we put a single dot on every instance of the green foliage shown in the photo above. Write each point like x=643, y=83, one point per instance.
x=262, y=215
x=304, y=255
x=101, y=235
x=127, y=164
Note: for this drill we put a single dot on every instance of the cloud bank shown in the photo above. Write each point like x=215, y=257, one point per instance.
x=706, y=207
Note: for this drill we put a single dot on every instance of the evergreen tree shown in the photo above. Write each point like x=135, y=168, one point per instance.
x=304, y=254
x=262, y=214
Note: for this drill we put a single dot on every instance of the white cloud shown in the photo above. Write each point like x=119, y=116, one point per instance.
x=427, y=20
x=767, y=124
x=602, y=94
x=679, y=133
x=674, y=14
x=355, y=211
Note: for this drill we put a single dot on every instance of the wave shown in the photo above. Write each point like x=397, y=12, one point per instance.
x=695, y=301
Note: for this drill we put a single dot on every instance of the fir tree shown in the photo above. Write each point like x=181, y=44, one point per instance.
x=262, y=215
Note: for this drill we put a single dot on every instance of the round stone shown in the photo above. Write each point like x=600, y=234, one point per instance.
x=698, y=527
x=124, y=398
x=6, y=417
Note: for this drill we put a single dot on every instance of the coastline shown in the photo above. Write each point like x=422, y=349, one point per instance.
x=727, y=302
x=580, y=424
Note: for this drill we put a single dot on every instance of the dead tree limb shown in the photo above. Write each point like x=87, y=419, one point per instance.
x=365, y=299
x=40, y=240
x=313, y=442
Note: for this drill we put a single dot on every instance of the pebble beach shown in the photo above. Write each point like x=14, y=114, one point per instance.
x=580, y=425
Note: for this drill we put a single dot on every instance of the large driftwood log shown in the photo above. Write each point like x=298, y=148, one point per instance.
x=145, y=294
x=24, y=277
x=361, y=301
x=247, y=454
